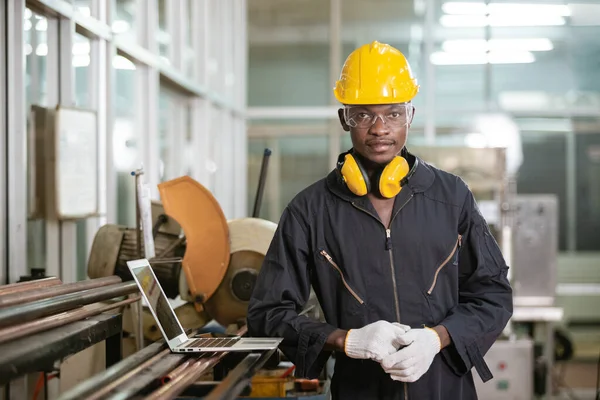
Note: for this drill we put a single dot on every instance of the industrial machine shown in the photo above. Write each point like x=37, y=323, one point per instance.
x=211, y=264
x=535, y=249
x=511, y=364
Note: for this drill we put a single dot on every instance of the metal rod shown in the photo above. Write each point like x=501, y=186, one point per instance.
x=53, y=321
x=122, y=369
x=28, y=285
x=138, y=217
x=261, y=183
x=176, y=372
x=171, y=247
x=100, y=392
x=42, y=308
x=189, y=375
x=33, y=295
x=237, y=378
x=139, y=336
x=145, y=377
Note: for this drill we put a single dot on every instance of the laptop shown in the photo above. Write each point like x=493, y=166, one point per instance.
x=171, y=328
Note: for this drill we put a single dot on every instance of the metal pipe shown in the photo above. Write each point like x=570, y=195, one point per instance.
x=53, y=321
x=20, y=298
x=100, y=392
x=236, y=379
x=43, y=308
x=187, y=376
x=138, y=229
x=28, y=285
x=176, y=372
x=117, y=371
x=132, y=386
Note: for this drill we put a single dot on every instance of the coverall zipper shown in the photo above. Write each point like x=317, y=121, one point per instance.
x=388, y=247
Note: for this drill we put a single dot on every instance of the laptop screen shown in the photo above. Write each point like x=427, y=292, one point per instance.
x=158, y=301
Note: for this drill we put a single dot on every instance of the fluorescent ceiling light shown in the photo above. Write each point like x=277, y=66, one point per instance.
x=513, y=57
x=556, y=10
x=460, y=8
x=81, y=60
x=493, y=57
x=81, y=48
x=481, y=45
x=473, y=21
x=525, y=20
x=120, y=62
x=120, y=26
x=512, y=9
x=41, y=50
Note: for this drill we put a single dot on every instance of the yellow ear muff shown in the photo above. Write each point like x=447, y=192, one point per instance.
x=353, y=176
x=391, y=177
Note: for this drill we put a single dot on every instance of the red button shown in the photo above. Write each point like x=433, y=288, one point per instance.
x=502, y=366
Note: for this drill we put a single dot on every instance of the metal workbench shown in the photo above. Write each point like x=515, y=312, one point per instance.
x=39, y=352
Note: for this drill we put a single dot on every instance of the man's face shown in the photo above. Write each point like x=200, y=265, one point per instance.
x=378, y=132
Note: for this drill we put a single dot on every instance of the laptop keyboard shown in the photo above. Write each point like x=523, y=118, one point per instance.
x=212, y=342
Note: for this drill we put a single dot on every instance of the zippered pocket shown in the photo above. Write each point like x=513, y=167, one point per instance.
x=444, y=263
x=338, y=269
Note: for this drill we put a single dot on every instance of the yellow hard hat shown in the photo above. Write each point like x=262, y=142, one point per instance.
x=376, y=73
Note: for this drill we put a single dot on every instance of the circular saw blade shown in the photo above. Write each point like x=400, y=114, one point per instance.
x=200, y=216
x=250, y=240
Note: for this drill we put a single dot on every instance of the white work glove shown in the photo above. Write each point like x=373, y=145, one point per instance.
x=374, y=341
x=411, y=362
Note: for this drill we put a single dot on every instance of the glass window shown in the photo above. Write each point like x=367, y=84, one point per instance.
x=295, y=163
x=81, y=66
x=539, y=176
x=124, y=19
x=189, y=57
x=188, y=148
x=126, y=146
x=36, y=94
x=288, y=73
x=84, y=7
x=165, y=148
x=588, y=187
x=163, y=36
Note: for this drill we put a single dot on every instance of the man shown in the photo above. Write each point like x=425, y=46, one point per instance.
x=411, y=282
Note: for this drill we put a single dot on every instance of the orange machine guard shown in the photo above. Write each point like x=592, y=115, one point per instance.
x=207, y=235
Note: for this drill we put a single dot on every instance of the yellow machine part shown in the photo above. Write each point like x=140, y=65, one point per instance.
x=267, y=386
x=250, y=240
x=207, y=235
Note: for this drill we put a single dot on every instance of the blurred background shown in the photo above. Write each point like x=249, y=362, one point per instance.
x=509, y=100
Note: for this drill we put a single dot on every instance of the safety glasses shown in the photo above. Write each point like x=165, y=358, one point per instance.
x=398, y=115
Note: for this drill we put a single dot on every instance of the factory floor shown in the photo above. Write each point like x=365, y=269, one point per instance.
x=577, y=394
x=578, y=380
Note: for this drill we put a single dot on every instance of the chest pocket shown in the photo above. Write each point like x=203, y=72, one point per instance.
x=451, y=259
x=338, y=287
x=441, y=293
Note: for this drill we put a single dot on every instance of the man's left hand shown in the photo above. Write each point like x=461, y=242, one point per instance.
x=411, y=362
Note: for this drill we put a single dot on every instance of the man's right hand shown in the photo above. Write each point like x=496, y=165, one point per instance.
x=374, y=341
